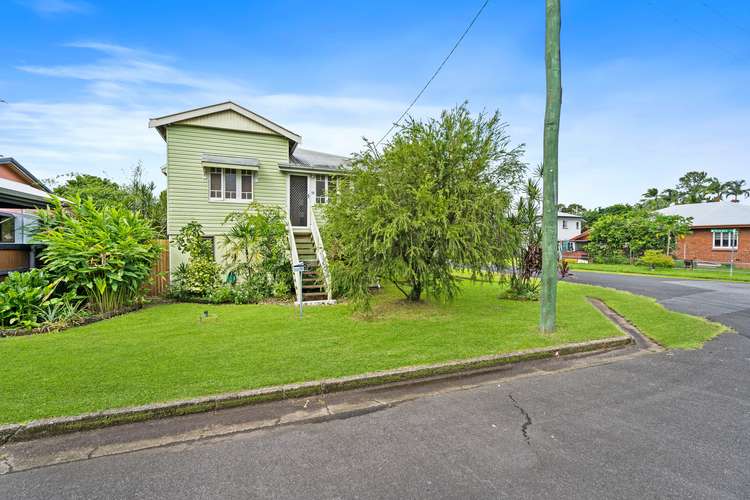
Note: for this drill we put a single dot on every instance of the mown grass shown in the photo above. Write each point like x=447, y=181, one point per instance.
x=721, y=273
x=169, y=352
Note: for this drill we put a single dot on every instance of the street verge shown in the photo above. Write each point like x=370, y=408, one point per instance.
x=47, y=427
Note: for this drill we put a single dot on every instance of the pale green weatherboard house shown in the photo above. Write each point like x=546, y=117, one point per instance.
x=222, y=157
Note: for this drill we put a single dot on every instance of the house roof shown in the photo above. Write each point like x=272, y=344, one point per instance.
x=310, y=158
x=161, y=122
x=584, y=236
x=19, y=195
x=7, y=160
x=571, y=216
x=719, y=213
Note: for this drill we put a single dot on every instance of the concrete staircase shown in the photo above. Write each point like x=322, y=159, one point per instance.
x=313, y=281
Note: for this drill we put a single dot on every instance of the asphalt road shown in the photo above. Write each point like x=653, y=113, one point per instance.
x=721, y=301
x=667, y=425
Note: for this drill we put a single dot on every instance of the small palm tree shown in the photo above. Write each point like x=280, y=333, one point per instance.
x=650, y=194
x=670, y=196
x=736, y=189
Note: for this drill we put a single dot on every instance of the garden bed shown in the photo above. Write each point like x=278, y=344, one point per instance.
x=173, y=351
x=54, y=328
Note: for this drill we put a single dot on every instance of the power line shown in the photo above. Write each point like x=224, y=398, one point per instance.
x=455, y=46
x=724, y=16
x=701, y=34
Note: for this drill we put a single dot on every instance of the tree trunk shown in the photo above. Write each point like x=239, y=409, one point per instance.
x=416, y=292
x=551, y=139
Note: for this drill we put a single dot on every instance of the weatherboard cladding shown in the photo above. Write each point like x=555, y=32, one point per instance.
x=187, y=182
x=229, y=120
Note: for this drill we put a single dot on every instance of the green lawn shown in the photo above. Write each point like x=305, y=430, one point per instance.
x=721, y=273
x=167, y=352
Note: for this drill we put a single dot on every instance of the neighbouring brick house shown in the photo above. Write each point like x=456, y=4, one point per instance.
x=20, y=195
x=720, y=232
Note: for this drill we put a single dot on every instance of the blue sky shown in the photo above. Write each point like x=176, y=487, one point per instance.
x=651, y=89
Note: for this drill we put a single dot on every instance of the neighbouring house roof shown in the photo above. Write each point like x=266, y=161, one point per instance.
x=24, y=173
x=306, y=160
x=584, y=236
x=162, y=122
x=571, y=216
x=719, y=213
x=19, y=195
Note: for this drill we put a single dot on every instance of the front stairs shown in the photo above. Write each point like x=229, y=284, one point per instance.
x=313, y=282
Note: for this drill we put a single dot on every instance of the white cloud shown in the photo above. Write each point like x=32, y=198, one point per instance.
x=624, y=128
x=51, y=7
x=106, y=129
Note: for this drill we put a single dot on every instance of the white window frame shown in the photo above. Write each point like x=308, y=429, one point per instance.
x=565, y=223
x=11, y=220
x=238, y=174
x=727, y=240
x=329, y=181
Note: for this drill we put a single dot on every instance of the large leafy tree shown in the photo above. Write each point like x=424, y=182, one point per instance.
x=103, y=192
x=591, y=216
x=436, y=197
x=633, y=232
x=573, y=208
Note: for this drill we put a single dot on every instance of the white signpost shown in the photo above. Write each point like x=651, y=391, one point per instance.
x=299, y=268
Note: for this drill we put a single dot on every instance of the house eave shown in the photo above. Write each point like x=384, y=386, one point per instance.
x=162, y=122
x=312, y=169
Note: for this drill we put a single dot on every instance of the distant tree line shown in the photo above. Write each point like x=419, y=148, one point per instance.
x=136, y=195
x=693, y=187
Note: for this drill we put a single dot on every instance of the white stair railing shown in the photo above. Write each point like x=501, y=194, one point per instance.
x=320, y=253
x=294, y=258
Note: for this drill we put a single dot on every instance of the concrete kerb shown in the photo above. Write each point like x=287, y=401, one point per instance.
x=47, y=427
x=625, y=326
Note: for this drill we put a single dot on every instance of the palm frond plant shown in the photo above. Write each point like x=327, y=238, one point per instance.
x=526, y=255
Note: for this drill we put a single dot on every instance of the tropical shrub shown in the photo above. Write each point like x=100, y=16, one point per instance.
x=222, y=295
x=197, y=278
x=655, y=258
x=435, y=197
x=28, y=300
x=257, y=250
x=564, y=268
x=201, y=274
x=526, y=243
x=104, y=254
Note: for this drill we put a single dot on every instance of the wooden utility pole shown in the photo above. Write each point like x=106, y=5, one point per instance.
x=551, y=139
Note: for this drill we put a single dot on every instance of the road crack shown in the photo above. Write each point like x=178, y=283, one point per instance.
x=527, y=420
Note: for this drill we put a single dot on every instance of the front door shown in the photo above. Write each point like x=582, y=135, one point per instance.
x=298, y=200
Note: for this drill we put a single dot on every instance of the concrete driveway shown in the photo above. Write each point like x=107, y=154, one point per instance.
x=721, y=301
x=657, y=425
